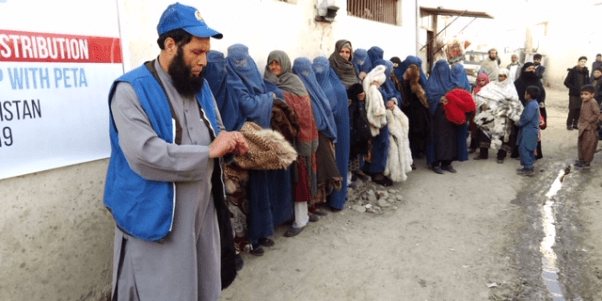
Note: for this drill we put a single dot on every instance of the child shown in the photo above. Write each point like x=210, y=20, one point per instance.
x=528, y=132
x=588, y=125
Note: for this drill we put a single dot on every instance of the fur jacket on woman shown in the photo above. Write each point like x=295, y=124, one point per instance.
x=375, y=105
x=504, y=110
x=399, y=159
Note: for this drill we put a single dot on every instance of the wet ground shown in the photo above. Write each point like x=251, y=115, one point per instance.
x=481, y=234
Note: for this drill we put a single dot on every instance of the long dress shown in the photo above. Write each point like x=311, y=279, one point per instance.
x=336, y=93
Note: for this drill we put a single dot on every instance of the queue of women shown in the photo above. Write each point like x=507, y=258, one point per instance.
x=352, y=116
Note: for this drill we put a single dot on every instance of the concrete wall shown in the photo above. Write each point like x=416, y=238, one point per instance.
x=563, y=34
x=56, y=237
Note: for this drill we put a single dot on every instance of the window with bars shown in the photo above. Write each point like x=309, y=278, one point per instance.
x=376, y=10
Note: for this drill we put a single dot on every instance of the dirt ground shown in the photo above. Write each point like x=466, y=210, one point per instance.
x=473, y=235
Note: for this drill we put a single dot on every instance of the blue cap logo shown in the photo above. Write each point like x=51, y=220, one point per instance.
x=187, y=18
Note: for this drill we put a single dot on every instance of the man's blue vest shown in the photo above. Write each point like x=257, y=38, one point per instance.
x=140, y=207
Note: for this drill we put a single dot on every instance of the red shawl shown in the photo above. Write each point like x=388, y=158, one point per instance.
x=459, y=103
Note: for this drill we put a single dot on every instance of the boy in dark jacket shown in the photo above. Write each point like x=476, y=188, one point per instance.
x=577, y=77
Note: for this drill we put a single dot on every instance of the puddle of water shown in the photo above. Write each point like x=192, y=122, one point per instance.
x=549, y=268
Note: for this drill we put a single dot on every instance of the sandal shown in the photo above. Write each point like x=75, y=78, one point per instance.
x=292, y=231
x=266, y=242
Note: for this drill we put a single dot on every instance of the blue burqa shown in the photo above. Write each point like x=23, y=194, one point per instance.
x=527, y=135
x=437, y=86
x=410, y=60
x=361, y=61
x=337, y=94
x=215, y=74
x=459, y=77
x=375, y=53
x=269, y=202
x=319, y=102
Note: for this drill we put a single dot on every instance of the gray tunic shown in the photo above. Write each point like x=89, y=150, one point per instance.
x=186, y=266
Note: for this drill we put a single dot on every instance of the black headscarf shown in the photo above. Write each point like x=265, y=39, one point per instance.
x=528, y=79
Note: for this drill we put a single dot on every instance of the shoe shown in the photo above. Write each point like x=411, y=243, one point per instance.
x=570, y=128
x=334, y=209
x=292, y=231
x=529, y=172
x=360, y=174
x=437, y=169
x=578, y=164
x=586, y=166
x=479, y=158
x=383, y=181
x=520, y=171
x=500, y=161
x=575, y=127
x=413, y=166
x=238, y=262
x=257, y=250
x=321, y=212
x=449, y=168
x=314, y=218
x=266, y=242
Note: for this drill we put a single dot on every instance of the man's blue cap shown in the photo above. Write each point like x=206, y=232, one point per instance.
x=188, y=18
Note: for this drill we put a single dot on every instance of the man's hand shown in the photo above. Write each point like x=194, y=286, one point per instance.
x=362, y=75
x=227, y=142
x=484, y=107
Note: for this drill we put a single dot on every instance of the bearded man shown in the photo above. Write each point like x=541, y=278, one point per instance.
x=490, y=65
x=173, y=239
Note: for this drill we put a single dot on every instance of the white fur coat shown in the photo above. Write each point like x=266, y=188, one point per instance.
x=399, y=159
x=375, y=105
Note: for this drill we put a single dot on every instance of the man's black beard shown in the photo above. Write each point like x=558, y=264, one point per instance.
x=181, y=75
x=493, y=58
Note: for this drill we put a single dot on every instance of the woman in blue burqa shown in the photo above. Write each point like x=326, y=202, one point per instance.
x=329, y=177
x=446, y=142
x=337, y=95
x=376, y=164
x=269, y=202
x=362, y=62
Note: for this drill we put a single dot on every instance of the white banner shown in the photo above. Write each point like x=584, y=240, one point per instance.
x=56, y=69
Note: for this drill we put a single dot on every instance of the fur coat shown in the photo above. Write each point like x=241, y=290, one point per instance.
x=268, y=149
x=399, y=159
x=375, y=105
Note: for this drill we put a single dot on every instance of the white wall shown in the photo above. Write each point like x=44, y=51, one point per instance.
x=56, y=237
x=266, y=25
